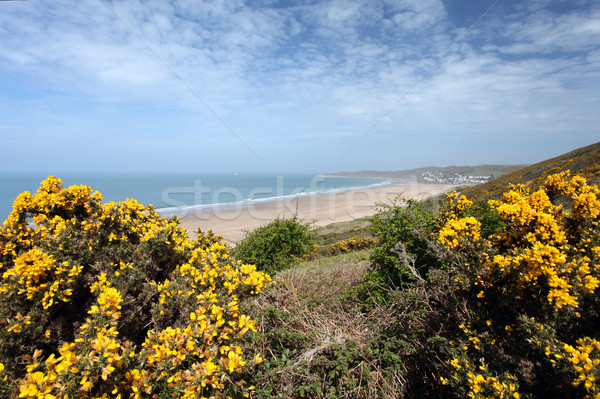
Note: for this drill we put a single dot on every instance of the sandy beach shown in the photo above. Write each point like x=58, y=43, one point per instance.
x=320, y=209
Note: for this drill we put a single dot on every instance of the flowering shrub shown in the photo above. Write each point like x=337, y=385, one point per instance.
x=341, y=247
x=465, y=229
x=113, y=300
x=531, y=290
x=351, y=244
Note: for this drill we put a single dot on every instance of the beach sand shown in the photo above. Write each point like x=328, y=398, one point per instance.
x=320, y=209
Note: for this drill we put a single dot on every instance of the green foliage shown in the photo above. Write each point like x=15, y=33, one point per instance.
x=487, y=216
x=277, y=245
x=409, y=224
x=403, y=254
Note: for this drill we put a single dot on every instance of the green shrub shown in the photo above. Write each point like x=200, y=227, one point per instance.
x=409, y=225
x=276, y=245
x=403, y=254
x=487, y=216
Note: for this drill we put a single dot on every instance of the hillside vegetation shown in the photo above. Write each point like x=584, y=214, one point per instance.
x=498, y=300
x=463, y=299
x=583, y=161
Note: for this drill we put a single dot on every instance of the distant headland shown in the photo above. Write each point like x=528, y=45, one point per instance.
x=435, y=174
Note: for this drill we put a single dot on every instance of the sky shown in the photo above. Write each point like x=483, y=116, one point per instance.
x=279, y=86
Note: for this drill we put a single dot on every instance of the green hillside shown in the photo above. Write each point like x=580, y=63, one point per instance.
x=584, y=161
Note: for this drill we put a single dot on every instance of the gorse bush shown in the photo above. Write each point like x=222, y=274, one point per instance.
x=113, y=300
x=531, y=289
x=497, y=299
x=276, y=245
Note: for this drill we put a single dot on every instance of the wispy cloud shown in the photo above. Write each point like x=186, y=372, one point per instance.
x=282, y=75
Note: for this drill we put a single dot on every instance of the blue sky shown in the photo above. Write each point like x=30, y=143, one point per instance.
x=294, y=86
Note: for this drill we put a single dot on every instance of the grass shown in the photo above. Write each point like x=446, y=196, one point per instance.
x=335, y=232
x=311, y=294
x=324, y=280
x=313, y=340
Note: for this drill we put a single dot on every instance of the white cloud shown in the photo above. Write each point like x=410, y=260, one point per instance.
x=327, y=69
x=542, y=31
x=415, y=14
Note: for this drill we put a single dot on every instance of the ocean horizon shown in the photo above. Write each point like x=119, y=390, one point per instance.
x=173, y=193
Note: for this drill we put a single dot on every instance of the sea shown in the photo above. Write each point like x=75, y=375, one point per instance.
x=172, y=194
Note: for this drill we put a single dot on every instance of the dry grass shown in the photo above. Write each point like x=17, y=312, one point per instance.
x=313, y=292
x=310, y=306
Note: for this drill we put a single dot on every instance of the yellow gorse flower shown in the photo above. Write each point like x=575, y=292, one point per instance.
x=547, y=255
x=534, y=243
x=464, y=229
x=117, y=247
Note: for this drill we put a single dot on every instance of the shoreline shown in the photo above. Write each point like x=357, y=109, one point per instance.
x=186, y=209
x=320, y=209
